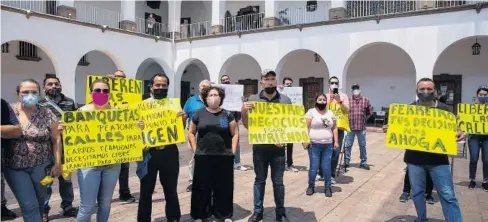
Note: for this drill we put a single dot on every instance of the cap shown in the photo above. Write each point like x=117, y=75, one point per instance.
x=355, y=86
x=268, y=72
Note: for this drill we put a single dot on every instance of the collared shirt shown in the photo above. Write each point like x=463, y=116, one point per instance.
x=360, y=110
x=343, y=97
x=65, y=104
x=192, y=105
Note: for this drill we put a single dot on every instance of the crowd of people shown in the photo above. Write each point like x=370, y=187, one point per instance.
x=32, y=148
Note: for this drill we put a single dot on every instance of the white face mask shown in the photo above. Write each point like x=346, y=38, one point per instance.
x=356, y=92
x=334, y=86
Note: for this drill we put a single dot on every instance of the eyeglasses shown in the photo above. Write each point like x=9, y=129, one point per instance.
x=106, y=91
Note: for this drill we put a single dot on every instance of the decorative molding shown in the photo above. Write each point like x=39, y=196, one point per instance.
x=300, y=27
x=28, y=14
x=378, y=19
x=478, y=7
x=239, y=33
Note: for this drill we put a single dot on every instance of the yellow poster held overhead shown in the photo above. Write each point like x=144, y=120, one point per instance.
x=275, y=123
x=102, y=137
x=122, y=90
x=421, y=128
x=341, y=116
x=473, y=118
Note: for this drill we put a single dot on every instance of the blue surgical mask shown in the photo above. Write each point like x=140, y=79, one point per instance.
x=29, y=100
x=483, y=99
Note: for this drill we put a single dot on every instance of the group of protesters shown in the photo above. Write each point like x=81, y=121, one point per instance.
x=32, y=149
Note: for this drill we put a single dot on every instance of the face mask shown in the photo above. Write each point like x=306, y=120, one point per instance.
x=270, y=90
x=226, y=82
x=483, y=99
x=425, y=97
x=160, y=93
x=53, y=92
x=334, y=86
x=213, y=102
x=100, y=98
x=320, y=106
x=356, y=92
x=29, y=100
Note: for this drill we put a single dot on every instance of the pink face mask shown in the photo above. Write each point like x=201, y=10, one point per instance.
x=100, y=98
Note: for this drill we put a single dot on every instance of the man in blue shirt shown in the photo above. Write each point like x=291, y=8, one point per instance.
x=192, y=105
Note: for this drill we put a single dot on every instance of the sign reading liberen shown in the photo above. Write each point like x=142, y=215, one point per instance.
x=421, y=128
x=275, y=123
x=473, y=118
x=122, y=90
x=102, y=137
x=341, y=116
x=294, y=93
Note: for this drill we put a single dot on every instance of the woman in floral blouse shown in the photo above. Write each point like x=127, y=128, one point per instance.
x=35, y=154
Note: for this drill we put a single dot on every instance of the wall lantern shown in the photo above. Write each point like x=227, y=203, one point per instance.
x=476, y=48
x=316, y=57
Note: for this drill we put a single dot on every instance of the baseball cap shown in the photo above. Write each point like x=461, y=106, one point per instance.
x=355, y=86
x=268, y=72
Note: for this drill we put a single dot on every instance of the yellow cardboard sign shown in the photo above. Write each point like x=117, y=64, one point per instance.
x=102, y=137
x=122, y=90
x=342, y=117
x=275, y=123
x=473, y=118
x=421, y=128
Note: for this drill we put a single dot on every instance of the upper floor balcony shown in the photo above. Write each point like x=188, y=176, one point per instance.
x=186, y=20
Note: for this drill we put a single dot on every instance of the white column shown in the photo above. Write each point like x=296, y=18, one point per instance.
x=218, y=12
x=174, y=15
x=128, y=10
x=270, y=8
x=70, y=3
x=337, y=9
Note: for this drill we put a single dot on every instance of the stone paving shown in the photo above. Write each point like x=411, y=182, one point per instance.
x=359, y=195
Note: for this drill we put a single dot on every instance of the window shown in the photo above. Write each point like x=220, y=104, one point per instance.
x=83, y=61
x=5, y=47
x=311, y=6
x=28, y=52
x=51, y=7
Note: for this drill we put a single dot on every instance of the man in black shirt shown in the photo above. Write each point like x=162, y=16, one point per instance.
x=57, y=102
x=437, y=165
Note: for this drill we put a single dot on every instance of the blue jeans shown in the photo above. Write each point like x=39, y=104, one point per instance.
x=66, y=191
x=262, y=159
x=477, y=143
x=441, y=176
x=26, y=186
x=361, y=134
x=97, y=185
x=237, y=158
x=320, y=155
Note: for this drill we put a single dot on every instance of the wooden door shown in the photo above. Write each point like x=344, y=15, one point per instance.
x=311, y=88
x=185, y=92
x=250, y=87
x=450, y=87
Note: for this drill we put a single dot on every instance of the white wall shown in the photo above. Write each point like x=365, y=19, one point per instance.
x=198, y=11
x=385, y=74
x=458, y=60
x=301, y=64
x=142, y=8
x=234, y=6
x=240, y=67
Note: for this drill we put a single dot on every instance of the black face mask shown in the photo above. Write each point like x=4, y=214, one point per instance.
x=53, y=92
x=270, y=90
x=160, y=93
x=425, y=97
x=227, y=82
x=320, y=106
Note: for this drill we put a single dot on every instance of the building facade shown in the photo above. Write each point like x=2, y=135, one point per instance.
x=385, y=46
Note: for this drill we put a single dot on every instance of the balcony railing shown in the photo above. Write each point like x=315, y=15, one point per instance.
x=98, y=16
x=47, y=7
x=197, y=29
x=242, y=23
x=303, y=15
x=157, y=29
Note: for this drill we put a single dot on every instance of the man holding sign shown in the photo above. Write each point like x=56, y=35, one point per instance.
x=265, y=155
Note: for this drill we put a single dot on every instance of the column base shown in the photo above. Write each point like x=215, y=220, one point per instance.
x=337, y=13
x=216, y=29
x=271, y=22
x=128, y=25
x=67, y=11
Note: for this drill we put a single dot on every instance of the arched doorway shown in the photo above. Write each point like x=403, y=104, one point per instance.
x=308, y=70
x=242, y=69
x=458, y=71
x=190, y=73
x=146, y=71
x=385, y=73
x=23, y=60
x=92, y=63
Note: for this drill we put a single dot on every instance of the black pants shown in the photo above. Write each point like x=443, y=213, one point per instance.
x=124, y=179
x=213, y=187
x=429, y=184
x=166, y=162
x=289, y=154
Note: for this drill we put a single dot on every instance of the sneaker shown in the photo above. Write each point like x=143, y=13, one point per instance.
x=332, y=180
x=228, y=220
x=310, y=191
x=188, y=188
x=292, y=168
x=484, y=186
x=7, y=214
x=365, y=166
x=70, y=212
x=45, y=217
x=319, y=178
x=404, y=197
x=346, y=165
x=429, y=199
x=240, y=167
x=127, y=198
x=256, y=217
x=471, y=185
x=328, y=192
x=281, y=218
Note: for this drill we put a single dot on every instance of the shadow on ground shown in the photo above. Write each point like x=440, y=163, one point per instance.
x=408, y=218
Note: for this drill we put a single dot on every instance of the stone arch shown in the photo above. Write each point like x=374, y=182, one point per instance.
x=148, y=68
x=242, y=69
x=188, y=76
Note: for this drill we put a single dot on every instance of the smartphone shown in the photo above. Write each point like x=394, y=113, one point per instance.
x=336, y=91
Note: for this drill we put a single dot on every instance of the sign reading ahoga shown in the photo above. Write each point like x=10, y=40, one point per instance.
x=275, y=123
x=421, y=128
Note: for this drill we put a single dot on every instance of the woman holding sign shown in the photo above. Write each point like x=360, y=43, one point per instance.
x=213, y=182
x=323, y=134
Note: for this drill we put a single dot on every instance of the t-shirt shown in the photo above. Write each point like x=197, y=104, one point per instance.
x=8, y=118
x=213, y=132
x=425, y=158
x=321, y=126
x=192, y=105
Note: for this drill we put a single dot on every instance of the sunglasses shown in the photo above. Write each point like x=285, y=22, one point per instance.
x=106, y=91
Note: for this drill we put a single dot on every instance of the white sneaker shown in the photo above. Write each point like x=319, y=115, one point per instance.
x=332, y=180
x=292, y=168
x=240, y=167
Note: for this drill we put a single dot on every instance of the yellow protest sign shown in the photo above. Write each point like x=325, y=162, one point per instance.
x=421, y=128
x=341, y=116
x=473, y=118
x=275, y=123
x=122, y=90
x=102, y=137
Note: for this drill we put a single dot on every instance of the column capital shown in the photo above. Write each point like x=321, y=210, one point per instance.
x=128, y=14
x=270, y=11
x=66, y=8
x=337, y=9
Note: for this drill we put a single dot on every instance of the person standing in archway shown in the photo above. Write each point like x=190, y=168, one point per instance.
x=288, y=82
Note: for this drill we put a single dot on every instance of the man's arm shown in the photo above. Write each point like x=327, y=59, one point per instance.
x=345, y=103
x=12, y=129
x=369, y=110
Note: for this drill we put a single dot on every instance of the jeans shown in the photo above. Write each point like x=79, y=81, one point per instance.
x=361, y=134
x=96, y=185
x=4, y=200
x=66, y=192
x=320, y=156
x=289, y=154
x=263, y=157
x=428, y=183
x=441, y=176
x=26, y=186
x=124, y=179
x=237, y=158
x=335, y=155
x=477, y=143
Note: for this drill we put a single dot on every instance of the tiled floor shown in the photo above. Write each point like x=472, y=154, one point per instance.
x=359, y=195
